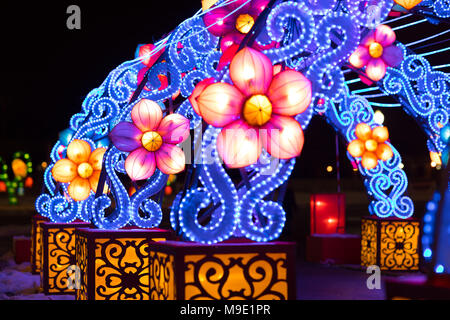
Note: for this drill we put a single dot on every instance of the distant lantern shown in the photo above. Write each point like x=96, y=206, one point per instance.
x=378, y=117
x=327, y=213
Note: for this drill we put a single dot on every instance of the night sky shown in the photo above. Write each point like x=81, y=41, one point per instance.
x=47, y=70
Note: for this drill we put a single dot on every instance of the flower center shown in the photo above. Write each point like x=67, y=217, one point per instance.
x=244, y=23
x=375, y=50
x=257, y=110
x=371, y=145
x=85, y=170
x=151, y=140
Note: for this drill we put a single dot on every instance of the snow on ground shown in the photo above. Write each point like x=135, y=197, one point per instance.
x=17, y=282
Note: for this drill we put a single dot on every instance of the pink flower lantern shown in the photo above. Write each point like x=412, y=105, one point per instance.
x=151, y=141
x=257, y=111
x=233, y=27
x=377, y=52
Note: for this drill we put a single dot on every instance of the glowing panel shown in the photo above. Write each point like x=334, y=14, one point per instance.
x=36, y=248
x=392, y=244
x=114, y=265
x=226, y=271
x=58, y=247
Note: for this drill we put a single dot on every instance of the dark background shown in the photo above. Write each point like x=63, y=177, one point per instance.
x=47, y=70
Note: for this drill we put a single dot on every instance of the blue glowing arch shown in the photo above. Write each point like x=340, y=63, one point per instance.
x=317, y=38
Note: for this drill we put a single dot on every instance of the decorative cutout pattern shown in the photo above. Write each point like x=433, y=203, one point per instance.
x=254, y=276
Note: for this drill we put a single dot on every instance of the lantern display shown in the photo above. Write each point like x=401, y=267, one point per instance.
x=377, y=52
x=151, y=141
x=21, y=168
x=81, y=169
x=244, y=271
x=257, y=111
x=58, y=254
x=247, y=80
x=327, y=213
x=36, y=243
x=392, y=244
x=115, y=265
x=370, y=145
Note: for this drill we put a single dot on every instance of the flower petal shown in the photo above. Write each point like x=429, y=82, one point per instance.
x=78, y=151
x=384, y=35
x=290, y=93
x=146, y=115
x=149, y=55
x=238, y=144
x=220, y=104
x=376, y=69
x=197, y=91
x=174, y=128
x=227, y=56
x=216, y=22
x=170, y=159
x=282, y=137
x=368, y=39
x=140, y=164
x=360, y=57
x=257, y=6
x=392, y=56
x=96, y=158
x=251, y=72
x=233, y=38
x=64, y=170
x=93, y=181
x=79, y=189
x=126, y=136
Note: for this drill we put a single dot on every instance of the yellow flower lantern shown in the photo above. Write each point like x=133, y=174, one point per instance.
x=81, y=169
x=370, y=145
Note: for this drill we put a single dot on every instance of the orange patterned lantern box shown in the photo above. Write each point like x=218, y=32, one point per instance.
x=58, y=254
x=224, y=271
x=36, y=249
x=114, y=264
x=390, y=243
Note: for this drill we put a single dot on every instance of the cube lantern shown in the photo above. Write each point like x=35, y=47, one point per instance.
x=224, y=271
x=114, y=264
x=390, y=243
x=36, y=249
x=327, y=213
x=58, y=254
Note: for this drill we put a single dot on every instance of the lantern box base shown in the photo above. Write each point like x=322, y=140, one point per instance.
x=21, y=249
x=390, y=243
x=223, y=271
x=334, y=248
x=416, y=287
x=58, y=254
x=114, y=264
x=36, y=249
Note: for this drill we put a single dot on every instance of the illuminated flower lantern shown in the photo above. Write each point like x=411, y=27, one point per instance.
x=151, y=141
x=81, y=169
x=257, y=111
x=370, y=145
x=377, y=51
x=232, y=23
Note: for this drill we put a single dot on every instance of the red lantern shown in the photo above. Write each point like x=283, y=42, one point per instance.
x=29, y=182
x=328, y=213
x=168, y=190
x=2, y=186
